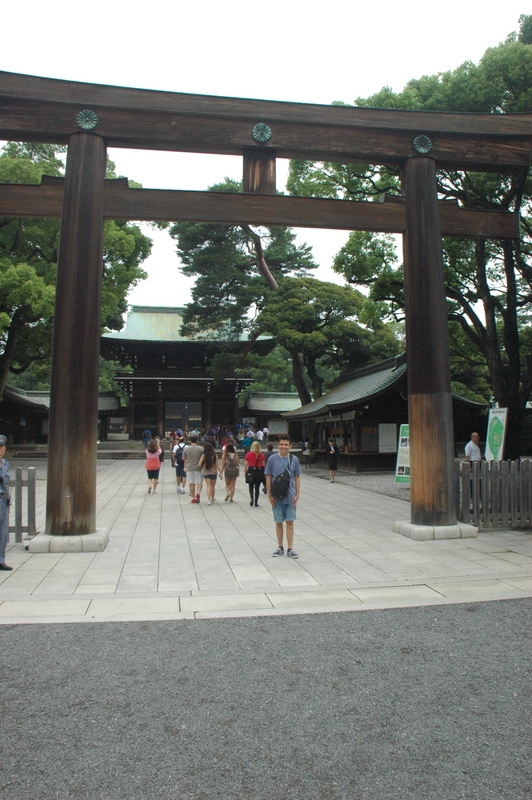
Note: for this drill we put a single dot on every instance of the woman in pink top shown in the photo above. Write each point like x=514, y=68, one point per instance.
x=153, y=465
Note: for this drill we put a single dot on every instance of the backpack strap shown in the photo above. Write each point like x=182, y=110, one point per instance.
x=289, y=467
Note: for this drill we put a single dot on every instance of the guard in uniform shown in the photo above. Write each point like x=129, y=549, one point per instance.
x=4, y=503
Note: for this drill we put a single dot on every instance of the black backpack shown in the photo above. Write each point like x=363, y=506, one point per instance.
x=178, y=454
x=281, y=484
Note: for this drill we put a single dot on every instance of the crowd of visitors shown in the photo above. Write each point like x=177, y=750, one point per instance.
x=196, y=463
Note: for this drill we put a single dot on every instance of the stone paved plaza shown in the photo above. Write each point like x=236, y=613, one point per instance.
x=170, y=559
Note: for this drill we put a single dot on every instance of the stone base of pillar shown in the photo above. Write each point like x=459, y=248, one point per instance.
x=83, y=543
x=426, y=532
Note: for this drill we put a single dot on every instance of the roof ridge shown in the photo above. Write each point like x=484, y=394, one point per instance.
x=369, y=369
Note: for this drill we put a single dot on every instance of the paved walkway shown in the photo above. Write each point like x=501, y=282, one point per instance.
x=170, y=559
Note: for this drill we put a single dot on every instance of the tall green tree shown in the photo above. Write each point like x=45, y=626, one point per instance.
x=318, y=323
x=489, y=283
x=227, y=262
x=28, y=262
x=236, y=267
x=258, y=281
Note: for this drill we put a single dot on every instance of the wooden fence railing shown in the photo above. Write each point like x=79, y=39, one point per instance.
x=496, y=494
x=17, y=499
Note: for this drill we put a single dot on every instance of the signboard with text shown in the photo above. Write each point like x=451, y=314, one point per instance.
x=496, y=434
x=402, y=467
x=387, y=437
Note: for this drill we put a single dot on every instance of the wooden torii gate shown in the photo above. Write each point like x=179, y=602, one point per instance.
x=89, y=118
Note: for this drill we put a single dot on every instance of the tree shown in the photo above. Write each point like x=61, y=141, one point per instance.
x=489, y=283
x=236, y=267
x=226, y=261
x=270, y=373
x=317, y=322
x=28, y=260
x=258, y=282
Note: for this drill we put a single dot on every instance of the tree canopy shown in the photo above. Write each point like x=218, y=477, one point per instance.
x=489, y=283
x=28, y=262
x=321, y=325
x=318, y=323
x=230, y=287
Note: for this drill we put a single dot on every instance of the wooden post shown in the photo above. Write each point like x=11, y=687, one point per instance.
x=160, y=414
x=131, y=418
x=429, y=376
x=259, y=171
x=207, y=413
x=71, y=489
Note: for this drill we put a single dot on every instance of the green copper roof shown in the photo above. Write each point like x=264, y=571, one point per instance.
x=40, y=399
x=365, y=384
x=155, y=324
x=272, y=402
x=158, y=324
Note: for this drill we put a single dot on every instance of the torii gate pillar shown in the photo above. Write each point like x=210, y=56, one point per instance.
x=433, y=512
x=71, y=489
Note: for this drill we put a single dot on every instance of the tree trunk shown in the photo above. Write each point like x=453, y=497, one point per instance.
x=315, y=380
x=261, y=261
x=298, y=370
x=17, y=323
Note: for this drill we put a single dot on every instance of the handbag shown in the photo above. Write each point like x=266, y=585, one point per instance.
x=255, y=474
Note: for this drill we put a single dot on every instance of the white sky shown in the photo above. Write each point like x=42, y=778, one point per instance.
x=287, y=50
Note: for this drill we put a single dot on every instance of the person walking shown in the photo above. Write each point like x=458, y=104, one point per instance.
x=191, y=456
x=307, y=453
x=5, y=502
x=179, y=465
x=246, y=442
x=230, y=469
x=254, y=464
x=472, y=449
x=267, y=454
x=209, y=470
x=153, y=465
x=284, y=508
x=331, y=453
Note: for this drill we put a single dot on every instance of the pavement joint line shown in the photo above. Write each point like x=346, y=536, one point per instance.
x=232, y=613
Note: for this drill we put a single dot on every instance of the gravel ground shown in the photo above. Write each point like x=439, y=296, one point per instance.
x=421, y=703
x=379, y=482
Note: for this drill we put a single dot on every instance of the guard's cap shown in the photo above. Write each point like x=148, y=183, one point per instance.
x=3, y=440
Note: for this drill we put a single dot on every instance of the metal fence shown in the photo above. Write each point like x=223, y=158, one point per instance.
x=23, y=511
x=495, y=494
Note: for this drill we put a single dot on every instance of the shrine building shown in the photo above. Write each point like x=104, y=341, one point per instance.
x=362, y=413
x=168, y=379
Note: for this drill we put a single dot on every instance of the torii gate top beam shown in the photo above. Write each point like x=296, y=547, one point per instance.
x=45, y=109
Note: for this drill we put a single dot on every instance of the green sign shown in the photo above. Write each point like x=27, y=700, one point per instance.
x=496, y=434
x=402, y=467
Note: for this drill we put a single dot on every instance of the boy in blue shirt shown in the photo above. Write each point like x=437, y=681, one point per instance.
x=284, y=510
